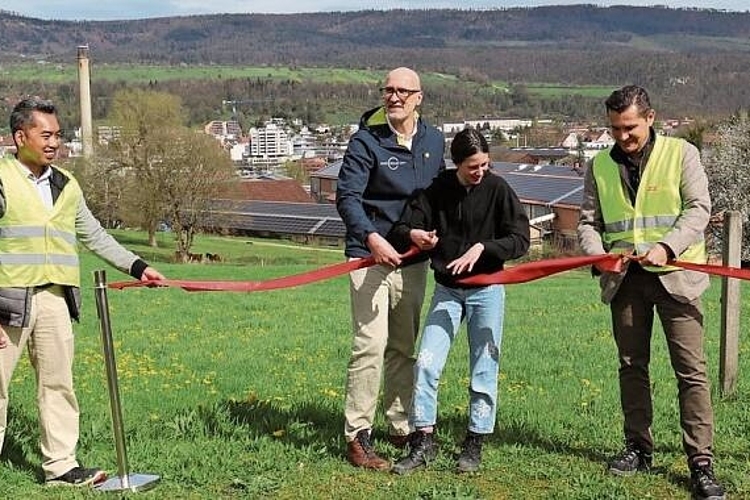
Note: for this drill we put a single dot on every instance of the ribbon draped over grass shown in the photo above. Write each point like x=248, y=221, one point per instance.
x=521, y=273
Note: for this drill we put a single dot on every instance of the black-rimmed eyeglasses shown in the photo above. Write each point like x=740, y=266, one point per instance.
x=401, y=93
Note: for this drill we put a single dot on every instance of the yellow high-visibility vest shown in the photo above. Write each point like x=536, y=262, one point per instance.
x=37, y=245
x=658, y=203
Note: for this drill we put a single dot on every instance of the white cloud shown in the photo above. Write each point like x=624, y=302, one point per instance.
x=133, y=9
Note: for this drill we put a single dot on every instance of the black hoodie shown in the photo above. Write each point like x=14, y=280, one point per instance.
x=488, y=213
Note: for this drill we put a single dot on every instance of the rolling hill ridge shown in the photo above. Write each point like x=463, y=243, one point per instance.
x=696, y=60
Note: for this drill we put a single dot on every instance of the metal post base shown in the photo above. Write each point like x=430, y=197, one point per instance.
x=131, y=482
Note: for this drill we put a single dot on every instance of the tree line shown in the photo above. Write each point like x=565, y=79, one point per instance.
x=259, y=99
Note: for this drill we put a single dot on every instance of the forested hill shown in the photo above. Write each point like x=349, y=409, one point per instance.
x=697, y=60
x=343, y=37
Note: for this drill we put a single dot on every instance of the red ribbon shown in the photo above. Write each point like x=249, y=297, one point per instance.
x=530, y=271
x=726, y=271
x=520, y=273
x=293, y=280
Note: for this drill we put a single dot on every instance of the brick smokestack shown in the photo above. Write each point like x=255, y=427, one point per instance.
x=84, y=85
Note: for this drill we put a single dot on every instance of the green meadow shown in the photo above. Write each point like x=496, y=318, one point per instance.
x=240, y=395
x=138, y=74
x=543, y=90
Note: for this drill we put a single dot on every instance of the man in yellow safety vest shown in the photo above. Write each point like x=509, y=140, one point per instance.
x=647, y=199
x=43, y=216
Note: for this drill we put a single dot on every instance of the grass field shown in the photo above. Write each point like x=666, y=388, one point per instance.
x=241, y=395
x=136, y=73
x=140, y=74
x=558, y=90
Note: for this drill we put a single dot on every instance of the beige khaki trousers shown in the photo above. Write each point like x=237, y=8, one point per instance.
x=386, y=304
x=49, y=338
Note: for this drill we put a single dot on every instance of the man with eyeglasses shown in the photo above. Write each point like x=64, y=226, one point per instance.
x=393, y=154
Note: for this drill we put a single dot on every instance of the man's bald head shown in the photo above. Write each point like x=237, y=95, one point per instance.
x=405, y=74
x=402, y=94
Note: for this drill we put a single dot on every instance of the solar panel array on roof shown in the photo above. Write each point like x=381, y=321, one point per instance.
x=329, y=171
x=536, y=184
x=317, y=210
x=546, y=190
x=532, y=169
x=286, y=225
x=547, y=184
x=332, y=227
x=277, y=218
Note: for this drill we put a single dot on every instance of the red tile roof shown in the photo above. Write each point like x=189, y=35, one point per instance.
x=287, y=190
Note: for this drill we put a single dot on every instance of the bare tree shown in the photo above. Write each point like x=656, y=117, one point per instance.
x=171, y=172
x=728, y=168
x=103, y=181
x=198, y=169
x=144, y=122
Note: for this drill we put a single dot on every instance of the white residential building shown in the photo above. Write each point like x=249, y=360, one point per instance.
x=107, y=133
x=303, y=143
x=270, y=142
x=225, y=131
x=586, y=139
x=504, y=124
x=238, y=152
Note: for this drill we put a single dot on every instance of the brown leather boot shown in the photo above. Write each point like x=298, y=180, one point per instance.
x=360, y=453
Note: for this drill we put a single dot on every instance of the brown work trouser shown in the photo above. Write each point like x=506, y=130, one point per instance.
x=632, y=320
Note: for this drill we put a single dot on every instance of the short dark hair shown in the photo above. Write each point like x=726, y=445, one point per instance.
x=21, y=116
x=467, y=143
x=621, y=99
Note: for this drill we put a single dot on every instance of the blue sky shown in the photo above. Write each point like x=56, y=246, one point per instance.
x=135, y=9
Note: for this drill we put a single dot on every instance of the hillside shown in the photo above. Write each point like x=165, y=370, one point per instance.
x=337, y=37
x=696, y=61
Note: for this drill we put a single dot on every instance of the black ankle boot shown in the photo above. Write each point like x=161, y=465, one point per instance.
x=631, y=459
x=471, y=453
x=422, y=450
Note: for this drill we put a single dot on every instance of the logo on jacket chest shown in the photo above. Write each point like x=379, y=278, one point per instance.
x=392, y=163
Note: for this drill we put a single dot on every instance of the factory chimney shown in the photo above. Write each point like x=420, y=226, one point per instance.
x=84, y=85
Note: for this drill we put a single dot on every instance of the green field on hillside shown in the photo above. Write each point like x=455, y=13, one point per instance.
x=692, y=43
x=143, y=74
x=240, y=395
x=58, y=73
x=558, y=90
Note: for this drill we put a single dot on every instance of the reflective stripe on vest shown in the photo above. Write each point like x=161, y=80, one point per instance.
x=658, y=202
x=37, y=245
x=35, y=232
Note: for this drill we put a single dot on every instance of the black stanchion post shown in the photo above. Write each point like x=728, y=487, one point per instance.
x=125, y=480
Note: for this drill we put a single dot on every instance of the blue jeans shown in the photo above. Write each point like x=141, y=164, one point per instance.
x=483, y=309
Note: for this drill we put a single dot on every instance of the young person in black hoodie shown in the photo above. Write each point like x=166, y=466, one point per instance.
x=469, y=222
